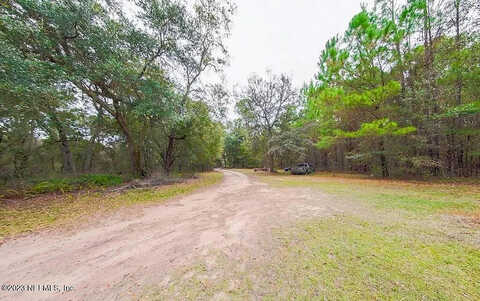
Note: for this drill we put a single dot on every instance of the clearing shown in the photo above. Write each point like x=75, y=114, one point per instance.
x=266, y=237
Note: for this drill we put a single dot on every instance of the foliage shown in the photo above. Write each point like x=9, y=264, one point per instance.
x=61, y=185
x=380, y=127
x=87, y=75
x=398, y=86
x=265, y=106
x=74, y=183
x=238, y=149
x=461, y=110
x=293, y=143
x=203, y=144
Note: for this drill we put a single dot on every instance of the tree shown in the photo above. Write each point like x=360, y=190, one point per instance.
x=262, y=104
x=239, y=151
x=291, y=145
x=128, y=71
x=204, y=33
x=391, y=94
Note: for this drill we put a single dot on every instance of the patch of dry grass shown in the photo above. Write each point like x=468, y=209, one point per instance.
x=473, y=216
x=56, y=210
x=422, y=197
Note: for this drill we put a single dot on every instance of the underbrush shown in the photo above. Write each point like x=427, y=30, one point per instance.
x=75, y=183
x=32, y=187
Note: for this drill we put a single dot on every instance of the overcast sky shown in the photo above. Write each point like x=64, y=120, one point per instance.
x=284, y=35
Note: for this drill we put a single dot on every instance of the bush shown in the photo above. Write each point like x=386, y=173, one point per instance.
x=52, y=185
x=99, y=180
x=70, y=184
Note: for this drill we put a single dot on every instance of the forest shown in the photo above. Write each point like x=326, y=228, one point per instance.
x=93, y=87
x=89, y=86
x=396, y=95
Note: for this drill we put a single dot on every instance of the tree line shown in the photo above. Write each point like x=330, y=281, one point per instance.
x=100, y=86
x=398, y=94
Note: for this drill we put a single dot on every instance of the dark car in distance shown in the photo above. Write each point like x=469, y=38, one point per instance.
x=302, y=169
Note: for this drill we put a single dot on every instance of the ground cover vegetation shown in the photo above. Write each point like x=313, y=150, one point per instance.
x=391, y=240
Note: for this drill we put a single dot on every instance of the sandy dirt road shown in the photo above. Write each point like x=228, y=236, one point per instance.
x=115, y=258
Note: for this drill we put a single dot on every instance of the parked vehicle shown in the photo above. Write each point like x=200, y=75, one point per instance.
x=302, y=169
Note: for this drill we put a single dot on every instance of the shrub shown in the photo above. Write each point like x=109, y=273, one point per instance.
x=70, y=184
x=52, y=185
x=99, y=180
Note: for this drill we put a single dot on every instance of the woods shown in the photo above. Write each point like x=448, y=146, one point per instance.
x=396, y=95
x=92, y=86
x=97, y=86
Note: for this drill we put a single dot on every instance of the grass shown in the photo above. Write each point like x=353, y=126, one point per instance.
x=391, y=252
x=348, y=258
x=338, y=258
x=375, y=258
x=413, y=196
x=56, y=210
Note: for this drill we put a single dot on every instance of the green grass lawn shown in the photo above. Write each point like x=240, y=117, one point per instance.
x=56, y=210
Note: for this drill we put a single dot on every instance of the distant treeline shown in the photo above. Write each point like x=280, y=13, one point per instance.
x=398, y=94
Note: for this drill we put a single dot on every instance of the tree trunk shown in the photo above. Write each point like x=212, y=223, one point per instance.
x=459, y=81
x=168, y=156
x=68, y=165
x=87, y=166
x=431, y=95
x=20, y=160
x=271, y=162
x=95, y=130
x=325, y=160
x=135, y=151
x=134, y=147
x=457, y=122
x=383, y=160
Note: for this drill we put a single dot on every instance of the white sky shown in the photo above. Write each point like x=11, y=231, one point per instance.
x=285, y=36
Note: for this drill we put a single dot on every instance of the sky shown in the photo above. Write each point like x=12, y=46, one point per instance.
x=284, y=36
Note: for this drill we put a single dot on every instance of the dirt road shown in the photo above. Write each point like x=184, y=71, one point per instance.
x=115, y=258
